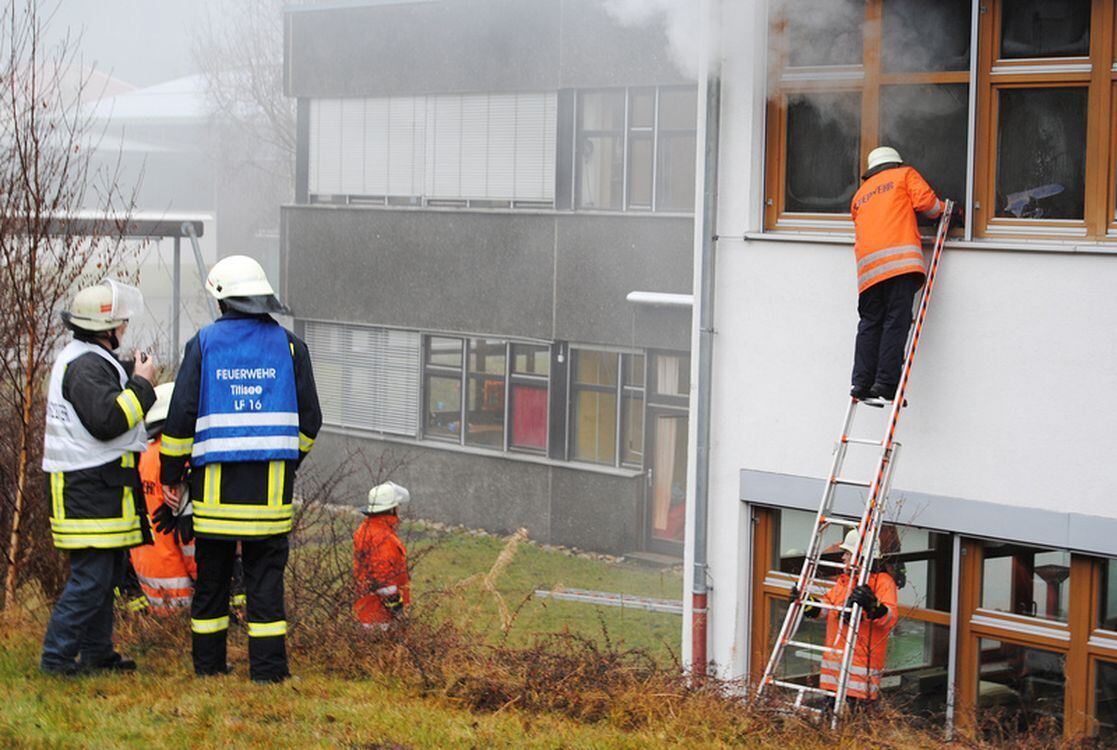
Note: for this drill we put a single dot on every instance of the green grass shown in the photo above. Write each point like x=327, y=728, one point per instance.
x=443, y=560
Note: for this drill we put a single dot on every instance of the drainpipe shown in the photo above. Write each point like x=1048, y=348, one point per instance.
x=699, y=659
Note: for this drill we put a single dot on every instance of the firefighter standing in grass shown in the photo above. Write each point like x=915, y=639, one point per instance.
x=380, y=559
x=889, y=268
x=165, y=569
x=94, y=433
x=244, y=414
x=877, y=598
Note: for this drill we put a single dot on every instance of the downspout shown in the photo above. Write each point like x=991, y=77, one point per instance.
x=699, y=659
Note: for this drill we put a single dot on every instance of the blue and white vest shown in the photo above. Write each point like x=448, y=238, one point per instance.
x=247, y=408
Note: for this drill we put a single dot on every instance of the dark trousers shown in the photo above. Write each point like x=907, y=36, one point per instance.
x=81, y=621
x=264, y=560
x=885, y=310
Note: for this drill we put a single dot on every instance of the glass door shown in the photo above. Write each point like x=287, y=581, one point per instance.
x=666, y=497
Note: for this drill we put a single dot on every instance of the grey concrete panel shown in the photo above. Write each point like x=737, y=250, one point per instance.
x=603, y=258
x=448, y=46
x=662, y=327
x=597, y=50
x=447, y=486
x=1047, y=528
x=438, y=270
x=596, y=511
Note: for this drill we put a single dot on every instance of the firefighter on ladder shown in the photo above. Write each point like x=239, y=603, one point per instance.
x=889, y=268
x=877, y=599
x=244, y=414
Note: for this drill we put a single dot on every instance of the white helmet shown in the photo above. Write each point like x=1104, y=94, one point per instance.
x=103, y=307
x=882, y=155
x=158, y=410
x=849, y=544
x=237, y=276
x=386, y=496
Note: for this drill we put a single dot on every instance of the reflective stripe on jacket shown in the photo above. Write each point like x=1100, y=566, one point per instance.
x=884, y=217
x=166, y=570
x=871, y=650
x=380, y=567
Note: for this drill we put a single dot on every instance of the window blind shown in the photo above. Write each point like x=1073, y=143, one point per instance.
x=368, y=378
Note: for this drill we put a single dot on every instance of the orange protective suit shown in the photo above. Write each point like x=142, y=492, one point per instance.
x=871, y=651
x=380, y=567
x=887, y=240
x=166, y=570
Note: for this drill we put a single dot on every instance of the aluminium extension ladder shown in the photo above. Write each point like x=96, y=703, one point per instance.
x=868, y=527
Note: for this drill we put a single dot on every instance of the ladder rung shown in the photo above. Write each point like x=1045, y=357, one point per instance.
x=801, y=688
x=861, y=441
x=847, y=522
x=851, y=482
x=824, y=605
x=830, y=564
x=809, y=646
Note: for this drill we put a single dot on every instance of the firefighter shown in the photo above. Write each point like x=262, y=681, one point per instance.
x=877, y=598
x=890, y=269
x=165, y=569
x=380, y=559
x=244, y=413
x=94, y=433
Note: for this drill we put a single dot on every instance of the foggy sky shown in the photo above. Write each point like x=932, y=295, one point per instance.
x=142, y=42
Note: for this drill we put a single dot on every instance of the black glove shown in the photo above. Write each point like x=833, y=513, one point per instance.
x=809, y=611
x=393, y=603
x=958, y=215
x=184, y=528
x=163, y=519
x=793, y=594
x=864, y=597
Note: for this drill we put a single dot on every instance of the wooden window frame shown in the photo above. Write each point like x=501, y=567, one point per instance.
x=1078, y=639
x=1093, y=72
x=867, y=79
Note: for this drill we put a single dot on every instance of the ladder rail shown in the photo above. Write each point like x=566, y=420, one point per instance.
x=860, y=566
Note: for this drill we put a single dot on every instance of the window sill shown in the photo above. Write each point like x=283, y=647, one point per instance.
x=991, y=244
x=491, y=211
x=528, y=458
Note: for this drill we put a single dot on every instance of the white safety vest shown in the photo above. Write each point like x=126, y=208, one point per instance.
x=67, y=445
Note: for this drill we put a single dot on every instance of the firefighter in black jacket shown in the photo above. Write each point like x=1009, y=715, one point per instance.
x=94, y=433
x=243, y=416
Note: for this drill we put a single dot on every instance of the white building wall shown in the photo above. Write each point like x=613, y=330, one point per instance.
x=1012, y=396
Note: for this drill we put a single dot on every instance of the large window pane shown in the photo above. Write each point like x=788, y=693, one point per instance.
x=640, y=147
x=444, y=404
x=926, y=36
x=1045, y=28
x=1019, y=689
x=675, y=172
x=1105, y=694
x=632, y=426
x=797, y=663
x=919, y=651
x=824, y=32
x=927, y=125
x=1026, y=581
x=668, y=462
x=672, y=375
x=1041, y=153
x=823, y=143
x=595, y=427
x=601, y=149
x=529, y=416
x=1107, y=605
x=485, y=413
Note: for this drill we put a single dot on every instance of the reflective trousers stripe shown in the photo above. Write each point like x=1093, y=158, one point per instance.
x=266, y=629
x=212, y=625
x=130, y=404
